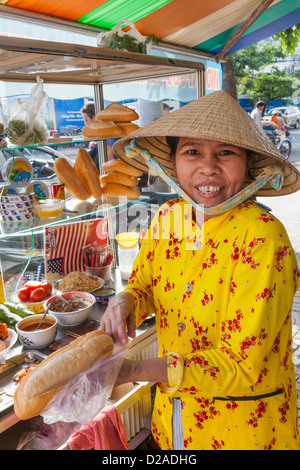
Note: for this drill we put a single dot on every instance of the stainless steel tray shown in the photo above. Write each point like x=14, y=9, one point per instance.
x=7, y=373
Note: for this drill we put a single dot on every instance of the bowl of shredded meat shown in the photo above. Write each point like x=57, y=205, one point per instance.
x=76, y=281
x=74, y=310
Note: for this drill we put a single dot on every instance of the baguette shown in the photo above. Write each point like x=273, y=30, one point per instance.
x=87, y=170
x=42, y=384
x=117, y=190
x=118, y=165
x=67, y=175
x=128, y=127
x=120, y=178
x=102, y=130
x=117, y=112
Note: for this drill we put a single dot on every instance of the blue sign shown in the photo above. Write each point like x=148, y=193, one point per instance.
x=67, y=115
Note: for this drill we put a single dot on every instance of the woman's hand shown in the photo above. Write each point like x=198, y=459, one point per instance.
x=119, y=317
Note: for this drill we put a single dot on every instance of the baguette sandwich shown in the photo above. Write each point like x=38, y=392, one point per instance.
x=42, y=384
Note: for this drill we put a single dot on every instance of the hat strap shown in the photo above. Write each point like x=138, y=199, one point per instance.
x=271, y=173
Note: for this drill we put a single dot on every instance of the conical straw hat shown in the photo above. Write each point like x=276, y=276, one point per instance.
x=218, y=117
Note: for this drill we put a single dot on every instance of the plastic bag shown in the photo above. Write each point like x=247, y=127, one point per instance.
x=130, y=41
x=27, y=124
x=82, y=399
x=43, y=436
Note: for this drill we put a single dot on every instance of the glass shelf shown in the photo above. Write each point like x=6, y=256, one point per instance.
x=95, y=209
x=58, y=142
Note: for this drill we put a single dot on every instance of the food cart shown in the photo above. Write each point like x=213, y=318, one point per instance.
x=23, y=248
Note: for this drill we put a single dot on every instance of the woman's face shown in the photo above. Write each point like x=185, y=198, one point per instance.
x=210, y=172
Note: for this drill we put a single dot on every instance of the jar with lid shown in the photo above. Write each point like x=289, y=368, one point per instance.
x=128, y=249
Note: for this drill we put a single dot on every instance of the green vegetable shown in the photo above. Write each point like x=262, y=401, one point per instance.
x=14, y=308
x=129, y=43
x=6, y=316
x=17, y=132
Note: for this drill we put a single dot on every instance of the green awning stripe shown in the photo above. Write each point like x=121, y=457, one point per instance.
x=114, y=11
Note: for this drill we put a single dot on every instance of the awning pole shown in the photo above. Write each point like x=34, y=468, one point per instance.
x=264, y=4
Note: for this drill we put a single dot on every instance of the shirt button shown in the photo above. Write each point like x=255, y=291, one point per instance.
x=189, y=287
x=181, y=326
x=197, y=245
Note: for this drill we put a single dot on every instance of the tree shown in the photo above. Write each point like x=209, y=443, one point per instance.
x=253, y=58
x=274, y=86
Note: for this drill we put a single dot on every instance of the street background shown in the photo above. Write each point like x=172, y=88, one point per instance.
x=287, y=210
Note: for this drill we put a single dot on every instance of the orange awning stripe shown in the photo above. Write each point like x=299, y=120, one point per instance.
x=175, y=16
x=62, y=9
x=163, y=22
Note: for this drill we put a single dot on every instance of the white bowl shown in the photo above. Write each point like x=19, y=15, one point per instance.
x=76, y=317
x=37, y=339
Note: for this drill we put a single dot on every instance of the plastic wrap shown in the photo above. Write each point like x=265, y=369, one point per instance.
x=27, y=124
x=130, y=41
x=82, y=399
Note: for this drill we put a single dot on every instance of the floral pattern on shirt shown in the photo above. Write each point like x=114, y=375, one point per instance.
x=225, y=306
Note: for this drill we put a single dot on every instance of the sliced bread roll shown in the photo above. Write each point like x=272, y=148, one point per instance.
x=117, y=112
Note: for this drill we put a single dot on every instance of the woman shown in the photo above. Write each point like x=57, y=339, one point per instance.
x=222, y=289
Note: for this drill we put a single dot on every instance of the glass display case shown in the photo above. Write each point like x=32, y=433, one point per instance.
x=22, y=245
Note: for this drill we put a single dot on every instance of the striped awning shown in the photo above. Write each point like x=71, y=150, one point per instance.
x=199, y=24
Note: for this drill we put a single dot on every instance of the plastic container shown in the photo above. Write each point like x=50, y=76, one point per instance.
x=9, y=190
x=103, y=295
x=39, y=188
x=128, y=249
x=102, y=271
x=35, y=307
x=18, y=171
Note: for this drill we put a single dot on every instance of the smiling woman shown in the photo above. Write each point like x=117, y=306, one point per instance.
x=222, y=295
x=210, y=172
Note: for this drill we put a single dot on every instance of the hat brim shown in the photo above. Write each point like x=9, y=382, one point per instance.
x=215, y=117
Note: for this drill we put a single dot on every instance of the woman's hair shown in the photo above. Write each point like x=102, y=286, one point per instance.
x=89, y=109
x=173, y=144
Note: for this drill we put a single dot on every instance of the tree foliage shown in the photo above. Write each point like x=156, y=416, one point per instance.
x=289, y=39
x=250, y=72
x=272, y=86
x=253, y=58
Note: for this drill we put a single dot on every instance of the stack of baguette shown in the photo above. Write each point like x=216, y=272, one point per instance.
x=119, y=179
x=113, y=121
x=83, y=180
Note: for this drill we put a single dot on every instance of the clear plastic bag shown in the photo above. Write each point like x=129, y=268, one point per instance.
x=82, y=399
x=130, y=41
x=27, y=124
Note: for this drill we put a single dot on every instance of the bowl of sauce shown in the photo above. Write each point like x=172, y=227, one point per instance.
x=41, y=338
x=49, y=208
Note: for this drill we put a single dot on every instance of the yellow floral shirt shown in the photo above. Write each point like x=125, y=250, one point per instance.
x=222, y=296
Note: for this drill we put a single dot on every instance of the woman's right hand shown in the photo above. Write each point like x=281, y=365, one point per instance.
x=119, y=317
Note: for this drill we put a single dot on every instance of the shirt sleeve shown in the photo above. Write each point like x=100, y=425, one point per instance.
x=262, y=288
x=140, y=282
